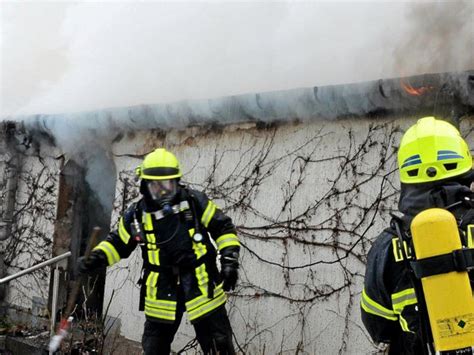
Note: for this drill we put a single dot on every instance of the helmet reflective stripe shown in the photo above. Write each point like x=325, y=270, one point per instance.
x=448, y=154
x=414, y=159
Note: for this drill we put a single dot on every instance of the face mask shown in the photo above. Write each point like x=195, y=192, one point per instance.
x=162, y=191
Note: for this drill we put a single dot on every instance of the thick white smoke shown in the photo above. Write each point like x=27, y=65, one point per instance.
x=70, y=57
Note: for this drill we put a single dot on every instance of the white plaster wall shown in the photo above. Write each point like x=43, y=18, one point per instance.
x=315, y=308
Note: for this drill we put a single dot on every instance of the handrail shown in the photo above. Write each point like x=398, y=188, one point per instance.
x=35, y=267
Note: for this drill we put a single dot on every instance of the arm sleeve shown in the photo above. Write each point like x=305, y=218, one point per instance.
x=378, y=315
x=119, y=244
x=219, y=225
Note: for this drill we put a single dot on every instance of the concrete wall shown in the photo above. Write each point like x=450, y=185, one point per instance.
x=308, y=200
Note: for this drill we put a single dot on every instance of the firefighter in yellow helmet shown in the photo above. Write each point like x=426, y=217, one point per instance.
x=436, y=170
x=176, y=229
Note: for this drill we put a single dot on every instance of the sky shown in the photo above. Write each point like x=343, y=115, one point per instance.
x=64, y=56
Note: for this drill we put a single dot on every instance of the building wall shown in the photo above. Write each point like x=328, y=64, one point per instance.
x=308, y=200
x=30, y=238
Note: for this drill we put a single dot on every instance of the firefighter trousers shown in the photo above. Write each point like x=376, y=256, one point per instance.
x=213, y=333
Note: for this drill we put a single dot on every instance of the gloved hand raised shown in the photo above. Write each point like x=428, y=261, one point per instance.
x=230, y=270
x=89, y=265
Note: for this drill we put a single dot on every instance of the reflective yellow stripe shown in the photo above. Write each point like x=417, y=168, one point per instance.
x=399, y=301
x=227, y=240
x=110, y=251
x=147, y=222
x=402, y=299
x=123, y=232
x=200, y=249
x=199, y=301
x=372, y=307
x=154, y=257
x=162, y=304
x=470, y=236
x=208, y=213
x=202, y=278
x=404, y=324
x=208, y=307
x=160, y=313
x=151, y=283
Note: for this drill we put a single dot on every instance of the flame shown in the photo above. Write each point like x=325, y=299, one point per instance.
x=415, y=91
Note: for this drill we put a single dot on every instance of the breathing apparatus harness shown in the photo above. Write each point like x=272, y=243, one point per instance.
x=457, y=260
x=167, y=210
x=190, y=214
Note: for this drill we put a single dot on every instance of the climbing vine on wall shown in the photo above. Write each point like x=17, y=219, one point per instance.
x=30, y=238
x=317, y=221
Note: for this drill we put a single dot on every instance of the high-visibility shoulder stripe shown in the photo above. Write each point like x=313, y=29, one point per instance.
x=208, y=213
x=372, y=307
x=227, y=240
x=124, y=235
x=109, y=251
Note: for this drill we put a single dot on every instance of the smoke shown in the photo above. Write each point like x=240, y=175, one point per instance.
x=438, y=37
x=68, y=58
x=73, y=57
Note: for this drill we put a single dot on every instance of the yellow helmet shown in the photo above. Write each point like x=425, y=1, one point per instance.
x=432, y=150
x=159, y=165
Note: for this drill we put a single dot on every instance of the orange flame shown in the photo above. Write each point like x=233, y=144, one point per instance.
x=415, y=91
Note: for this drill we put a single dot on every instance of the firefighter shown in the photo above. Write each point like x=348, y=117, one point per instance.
x=436, y=170
x=173, y=225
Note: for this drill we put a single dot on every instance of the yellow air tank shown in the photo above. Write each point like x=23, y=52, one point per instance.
x=448, y=296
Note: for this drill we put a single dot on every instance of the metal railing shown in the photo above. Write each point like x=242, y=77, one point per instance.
x=29, y=270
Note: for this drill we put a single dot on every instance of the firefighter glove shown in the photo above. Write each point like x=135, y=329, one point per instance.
x=230, y=270
x=89, y=265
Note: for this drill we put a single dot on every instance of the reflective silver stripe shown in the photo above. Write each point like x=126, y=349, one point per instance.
x=199, y=301
x=206, y=308
x=370, y=306
x=227, y=240
x=163, y=304
x=402, y=299
x=160, y=313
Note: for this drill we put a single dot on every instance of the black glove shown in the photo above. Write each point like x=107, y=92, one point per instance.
x=89, y=265
x=230, y=270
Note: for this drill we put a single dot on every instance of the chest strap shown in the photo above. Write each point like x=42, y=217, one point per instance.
x=182, y=206
x=457, y=260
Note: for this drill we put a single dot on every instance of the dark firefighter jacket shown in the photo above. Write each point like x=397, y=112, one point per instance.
x=388, y=302
x=172, y=258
